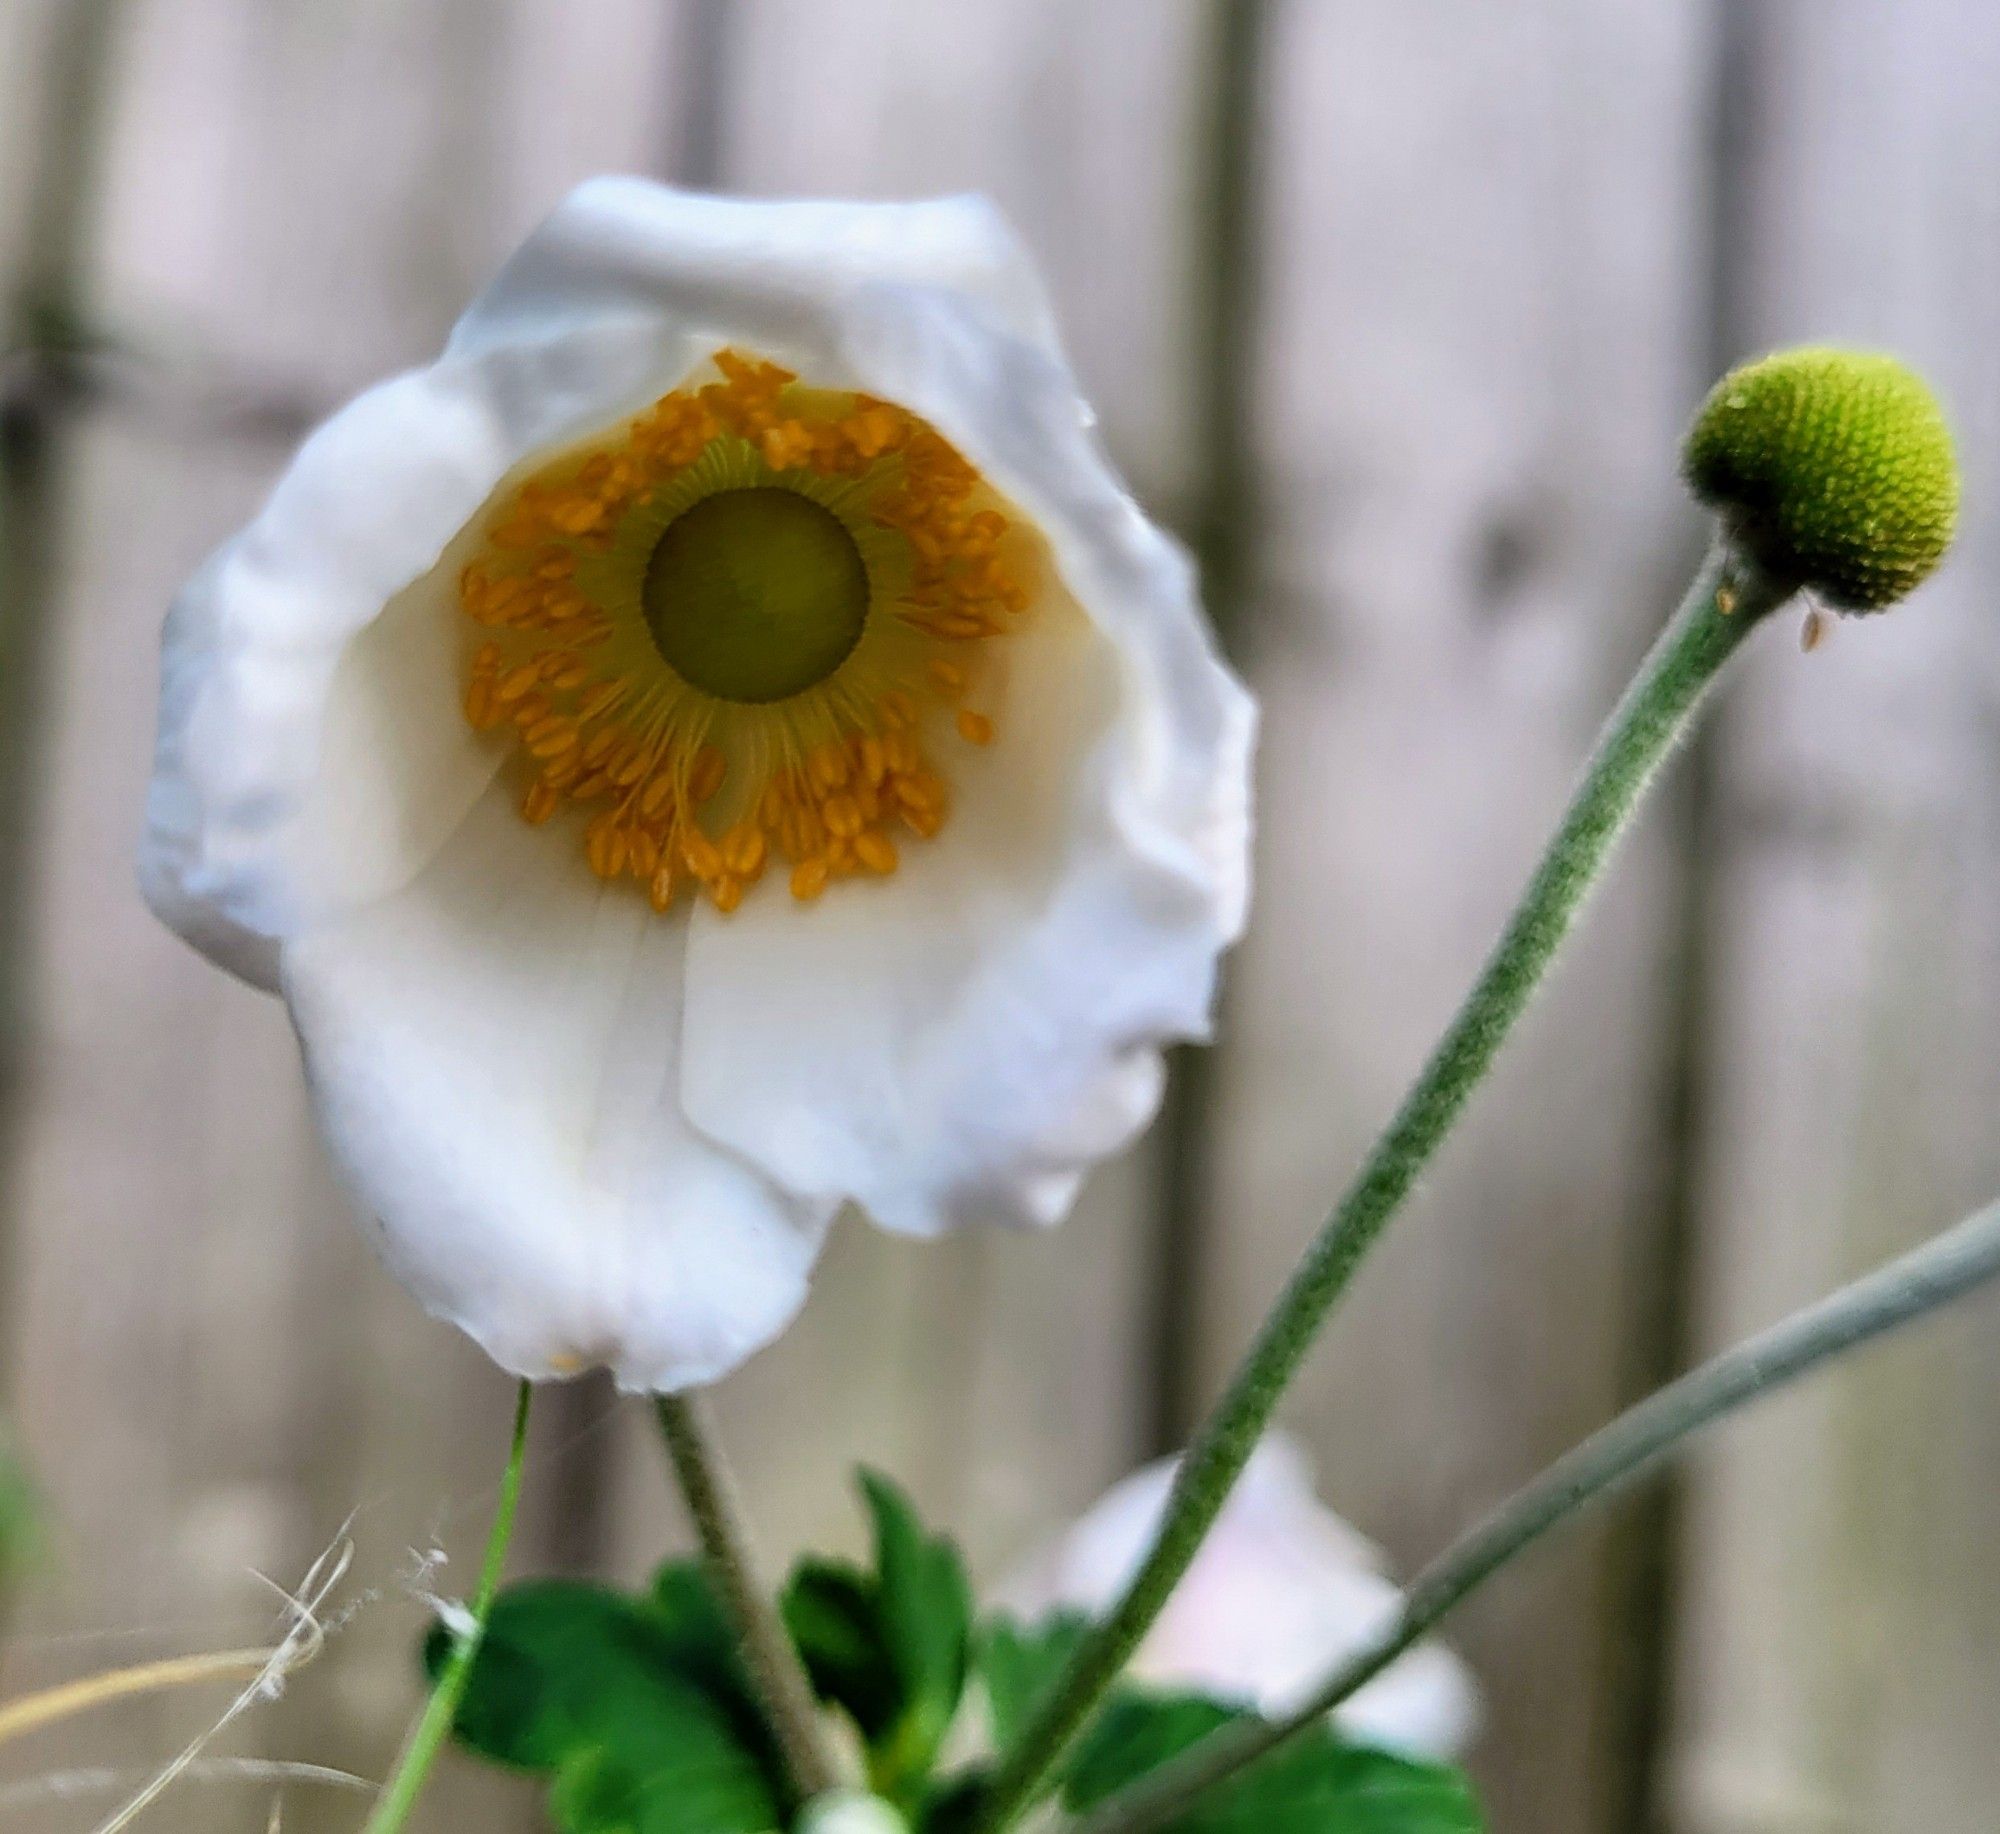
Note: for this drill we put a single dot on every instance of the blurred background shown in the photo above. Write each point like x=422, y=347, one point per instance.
x=1395, y=311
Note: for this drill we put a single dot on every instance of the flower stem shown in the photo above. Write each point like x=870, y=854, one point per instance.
x=767, y=1647
x=400, y=1794
x=1655, y=712
x=1943, y=1269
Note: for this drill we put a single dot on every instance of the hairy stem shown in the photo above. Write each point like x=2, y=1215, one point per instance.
x=768, y=1652
x=399, y=1794
x=1655, y=712
x=1943, y=1269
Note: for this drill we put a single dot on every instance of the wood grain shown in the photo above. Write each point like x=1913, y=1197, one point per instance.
x=1484, y=298
x=1842, y=1623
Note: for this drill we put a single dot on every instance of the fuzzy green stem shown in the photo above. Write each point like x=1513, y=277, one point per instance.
x=726, y=1547
x=1655, y=712
x=1943, y=1269
x=399, y=1794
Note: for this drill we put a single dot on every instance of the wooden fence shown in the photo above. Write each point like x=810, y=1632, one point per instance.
x=1415, y=376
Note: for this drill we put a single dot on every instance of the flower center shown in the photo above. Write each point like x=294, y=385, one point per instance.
x=749, y=624
x=755, y=595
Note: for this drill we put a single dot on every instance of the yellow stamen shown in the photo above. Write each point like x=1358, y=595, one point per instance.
x=700, y=752
x=875, y=850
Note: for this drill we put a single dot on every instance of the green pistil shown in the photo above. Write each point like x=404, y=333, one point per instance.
x=755, y=595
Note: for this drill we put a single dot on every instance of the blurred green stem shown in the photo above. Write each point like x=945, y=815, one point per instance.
x=726, y=1548
x=399, y=1794
x=1942, y=1270
x=1655, y=712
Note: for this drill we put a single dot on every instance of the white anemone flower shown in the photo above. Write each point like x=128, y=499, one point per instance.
x=1280, y=1593
x=717, y=744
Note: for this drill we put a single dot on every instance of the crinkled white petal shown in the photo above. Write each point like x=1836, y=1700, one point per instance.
x=961, y=1043
x=774, y=276
x=493, y=1054
x=1280, y=1593
x=309, y=758
x=1000, y=1004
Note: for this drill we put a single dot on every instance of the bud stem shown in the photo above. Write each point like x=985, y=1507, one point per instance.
x=1944, y=1269
x=1656, y=710
x=768, y=1652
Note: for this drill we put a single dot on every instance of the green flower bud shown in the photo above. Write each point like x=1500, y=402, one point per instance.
x=1833, y=469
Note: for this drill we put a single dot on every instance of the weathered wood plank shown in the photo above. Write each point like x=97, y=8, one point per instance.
x=1484, y=298
x=1843, y=1569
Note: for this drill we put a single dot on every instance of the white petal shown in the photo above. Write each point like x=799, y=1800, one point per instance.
x=310, y=757
x=778, y=276
x=1281, y=1591
x=961, y=1041
x=494, y=1057
x=312, y=761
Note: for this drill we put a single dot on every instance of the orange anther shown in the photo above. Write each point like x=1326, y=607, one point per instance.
x=875, y=850
x=551, y=737
x=743, y=852
x=828, y=765
x=701, y=855
x=518, y=681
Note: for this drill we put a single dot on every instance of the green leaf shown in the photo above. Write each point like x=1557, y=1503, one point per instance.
x=832, y=1611
x=635, y=1706
x=703, y=1639
x=891, y=1647
x=688, y=1793
x=1019, y=1663
x=926, y=1608
x=957, y=1804
x=1316, y=1784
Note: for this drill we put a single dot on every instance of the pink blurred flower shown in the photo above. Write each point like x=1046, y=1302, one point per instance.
x=1280, y=1592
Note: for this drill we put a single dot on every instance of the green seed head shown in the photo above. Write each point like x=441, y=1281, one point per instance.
x=1833, y=468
